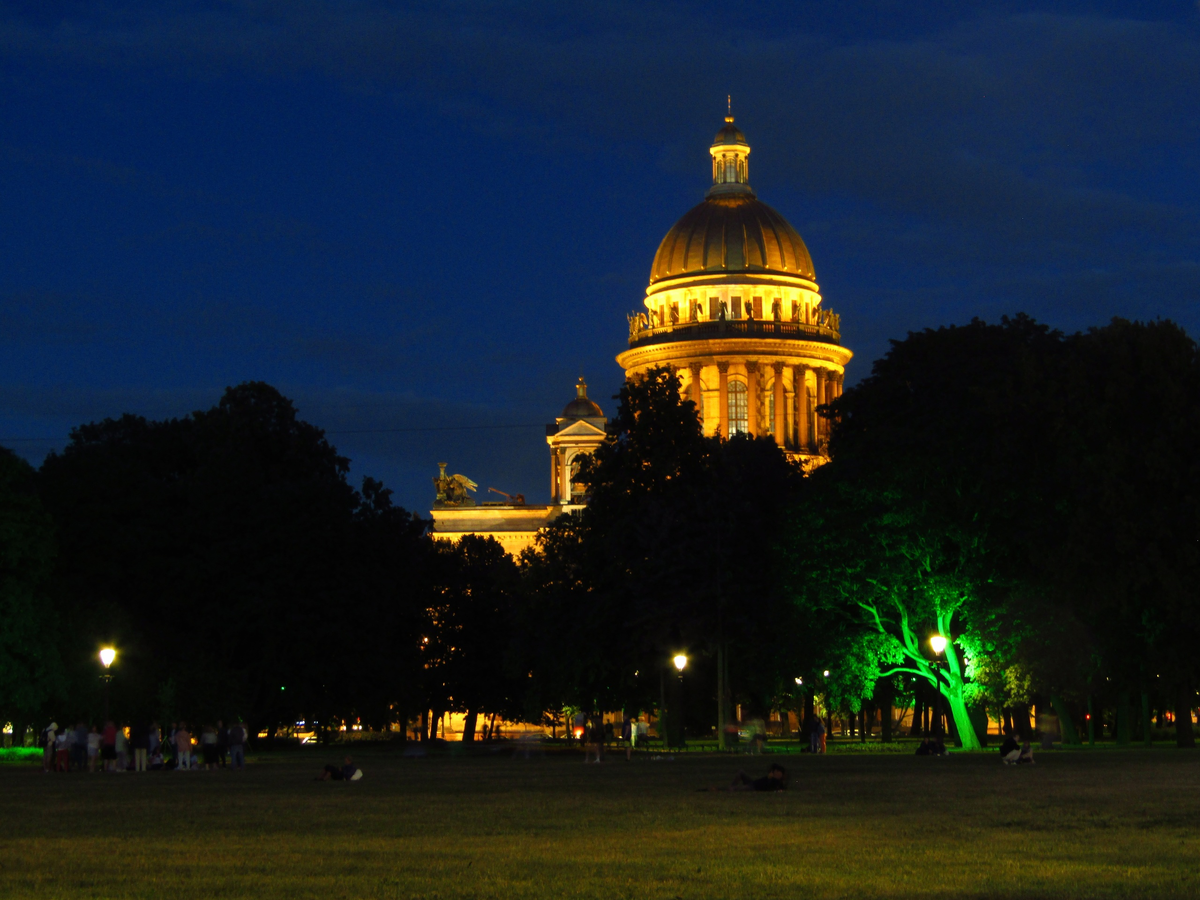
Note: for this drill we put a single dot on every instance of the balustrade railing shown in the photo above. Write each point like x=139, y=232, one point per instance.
x=827, y=328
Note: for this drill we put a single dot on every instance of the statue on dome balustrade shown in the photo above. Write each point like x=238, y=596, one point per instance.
x=452, y=489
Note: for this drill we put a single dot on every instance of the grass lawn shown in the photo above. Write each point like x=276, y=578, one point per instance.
x=1077, y=824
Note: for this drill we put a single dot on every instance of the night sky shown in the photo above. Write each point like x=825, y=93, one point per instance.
x=421, y=222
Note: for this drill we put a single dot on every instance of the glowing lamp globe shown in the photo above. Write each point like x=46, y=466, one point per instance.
x=680, y=661
x=938, y=643
x=826, y=673
x=107, y=655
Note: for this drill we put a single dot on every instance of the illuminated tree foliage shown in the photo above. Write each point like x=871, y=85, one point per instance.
x=1033, y=497
x=910, y=527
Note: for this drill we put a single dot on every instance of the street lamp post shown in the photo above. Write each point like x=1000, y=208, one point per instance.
x=938, y=644
x=675, y=723
x=107, y=655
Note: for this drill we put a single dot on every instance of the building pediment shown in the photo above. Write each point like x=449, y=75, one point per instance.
x=582, y=428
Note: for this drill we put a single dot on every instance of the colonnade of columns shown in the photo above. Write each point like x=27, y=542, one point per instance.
x=810, y=431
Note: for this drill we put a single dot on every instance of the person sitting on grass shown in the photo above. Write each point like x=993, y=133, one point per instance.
x=931, y=747
x=1026, y=754
x=774, y=780
x=1010, y=751
x=347, y=772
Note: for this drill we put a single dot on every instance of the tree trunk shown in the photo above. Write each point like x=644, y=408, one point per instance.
x=1021, y=723
x=424, y=726
x=472, y=717
x=918, y=712
x=720, y=698
x=886, y=694
x=1124, y=718
x=1184, y=736
x=1147, y=723
x=1066, y=725
x=1009, y=728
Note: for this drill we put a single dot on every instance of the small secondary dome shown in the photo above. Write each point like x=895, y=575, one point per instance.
x=581, y=407
x=732, y=231
x=730, y=134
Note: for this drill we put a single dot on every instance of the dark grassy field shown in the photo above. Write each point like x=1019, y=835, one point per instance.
x=1077, y=824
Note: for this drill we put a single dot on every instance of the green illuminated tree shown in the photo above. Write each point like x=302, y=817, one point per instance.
x=924, y=513
x=867, y=556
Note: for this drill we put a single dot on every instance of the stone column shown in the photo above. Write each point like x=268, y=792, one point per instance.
x=553, y=476
x=565, y=475
x=723, y=401
x=752, y=397
x=695, y=394
x=800, y=392
x=780, y=412
x=827, y=388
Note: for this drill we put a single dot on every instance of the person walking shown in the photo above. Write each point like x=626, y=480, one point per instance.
x=122, y=751
x=237, y=746
x=139, y=738
x=222, y=744
x=208, y=747
x=93, y=748
x=108, y=746
x=62, y=750
x=79, y=748
x=816, y=734
x=183, y=748
x=49, y=746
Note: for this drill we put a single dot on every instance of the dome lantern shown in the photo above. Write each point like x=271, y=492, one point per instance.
x=730, y=160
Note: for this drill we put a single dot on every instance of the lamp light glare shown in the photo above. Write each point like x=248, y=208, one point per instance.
x=680, y=661
x=938, y=643
x=826, y=673
x=799, y=681
x=107, y=655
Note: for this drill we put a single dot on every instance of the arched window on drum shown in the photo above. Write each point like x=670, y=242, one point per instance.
x=739, y=410
x=578, y=490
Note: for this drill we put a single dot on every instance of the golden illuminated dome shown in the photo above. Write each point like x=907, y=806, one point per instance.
x=732, y=231
x=728, y=234
x=582, y=407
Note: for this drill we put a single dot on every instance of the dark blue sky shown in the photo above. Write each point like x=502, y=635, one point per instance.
x=411, y=216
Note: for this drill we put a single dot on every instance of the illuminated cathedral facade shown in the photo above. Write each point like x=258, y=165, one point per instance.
x=734, y=307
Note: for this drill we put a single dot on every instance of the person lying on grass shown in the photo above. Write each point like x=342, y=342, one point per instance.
x=774, y=780
x=348, y=772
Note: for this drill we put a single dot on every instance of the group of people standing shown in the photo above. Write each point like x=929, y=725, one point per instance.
x=142, y=747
